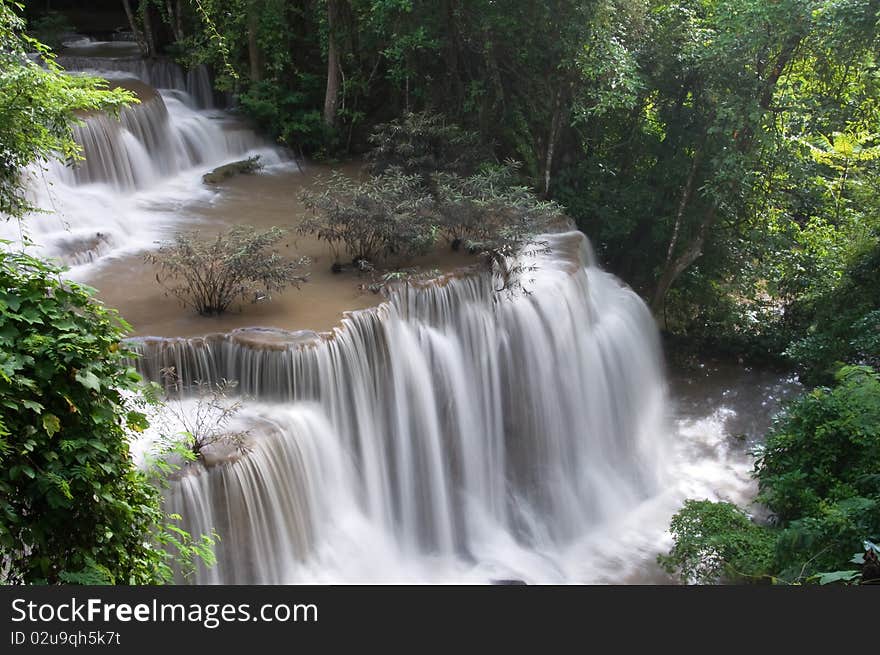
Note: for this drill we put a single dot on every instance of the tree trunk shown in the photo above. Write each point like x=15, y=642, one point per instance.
x=675, y=267
x=174, y=20
x=453, y=77
x=253, y=46
x=686, y=195
x=148, y=29
x=178, y=20
x=552, y=137
x=135, y=30
x=331, y=98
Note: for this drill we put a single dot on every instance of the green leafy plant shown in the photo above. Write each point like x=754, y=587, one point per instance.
x=74, y=507
x=717, y=541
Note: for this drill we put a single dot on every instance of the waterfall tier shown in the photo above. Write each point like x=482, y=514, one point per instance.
x=448, y=429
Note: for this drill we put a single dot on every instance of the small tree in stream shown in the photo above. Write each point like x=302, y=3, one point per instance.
x=208, y=275
x=385, y=216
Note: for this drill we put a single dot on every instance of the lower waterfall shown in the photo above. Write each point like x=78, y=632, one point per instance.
x=452, y=433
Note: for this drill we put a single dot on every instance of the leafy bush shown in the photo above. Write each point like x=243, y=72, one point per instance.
x=819, y=473
x=74, y=507
x=423, y=144
x=206, y=424
x=490, y=214
x=717, y=541
x=824, y=448
x=288, y=115
x=208, y=275
x=384, y=216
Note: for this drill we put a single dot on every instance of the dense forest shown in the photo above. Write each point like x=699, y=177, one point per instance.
x=723, y=157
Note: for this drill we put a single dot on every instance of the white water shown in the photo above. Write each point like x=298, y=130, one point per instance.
x=444, y=436
x=140, y=171
x=450, y=436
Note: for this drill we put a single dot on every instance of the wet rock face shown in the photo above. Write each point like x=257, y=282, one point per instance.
x=272, y=338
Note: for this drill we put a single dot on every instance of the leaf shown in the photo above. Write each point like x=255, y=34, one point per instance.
x=31, y=404
x=837, y=576
x=89, y=380
x=51, y=424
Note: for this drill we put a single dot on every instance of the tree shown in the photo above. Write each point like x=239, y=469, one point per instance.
x=208, y=275
x=424, y=144
x=384, y=216
x=74, y=506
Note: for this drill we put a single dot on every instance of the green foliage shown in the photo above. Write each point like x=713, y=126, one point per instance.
x=38, y=106
x=386, y=216
x=423, y=144
x=208, y=275
x=818, y=475
x=74, y=507
x=717, y=541
x=840, y=324
x=824, y=450
x=289, y=115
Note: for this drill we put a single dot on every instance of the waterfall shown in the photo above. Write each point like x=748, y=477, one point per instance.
x=137, y=170
x=155, y=139
x=193, y=86
x=450, y=433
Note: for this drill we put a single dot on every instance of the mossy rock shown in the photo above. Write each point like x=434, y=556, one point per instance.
x=243, y=167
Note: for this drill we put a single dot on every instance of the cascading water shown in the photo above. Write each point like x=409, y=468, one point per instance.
x=139, y=170
x=122, y=59
x=447, y=434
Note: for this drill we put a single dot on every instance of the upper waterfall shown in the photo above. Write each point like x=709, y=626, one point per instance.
x=138, y=170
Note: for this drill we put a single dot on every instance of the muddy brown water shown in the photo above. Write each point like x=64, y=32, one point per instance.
x=263, y=200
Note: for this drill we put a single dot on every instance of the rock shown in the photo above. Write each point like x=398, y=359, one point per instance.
x=243, y=167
